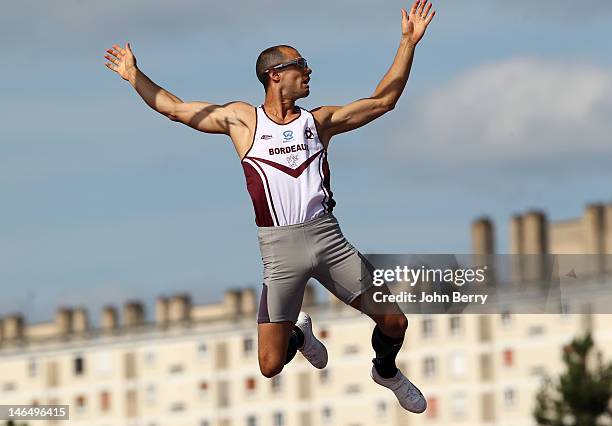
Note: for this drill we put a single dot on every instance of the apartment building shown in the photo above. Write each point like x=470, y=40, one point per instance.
x=196, y=365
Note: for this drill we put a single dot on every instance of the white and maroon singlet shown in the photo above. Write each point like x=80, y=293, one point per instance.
x=286, y=170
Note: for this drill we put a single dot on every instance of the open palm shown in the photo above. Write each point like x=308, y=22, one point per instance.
x=121, y=60
x=415, y=23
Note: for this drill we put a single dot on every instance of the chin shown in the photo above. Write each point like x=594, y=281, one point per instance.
x=302, y=94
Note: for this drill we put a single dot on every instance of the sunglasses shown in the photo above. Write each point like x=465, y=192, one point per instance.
x=299, y=62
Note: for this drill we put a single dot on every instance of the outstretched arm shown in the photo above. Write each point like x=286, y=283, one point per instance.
x=333, y=120
x=202, y=116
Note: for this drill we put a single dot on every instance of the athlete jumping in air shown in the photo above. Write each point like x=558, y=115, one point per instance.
x=283, y=151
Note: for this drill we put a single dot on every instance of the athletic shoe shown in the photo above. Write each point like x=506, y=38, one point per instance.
x=408, y=395
x=312, y=349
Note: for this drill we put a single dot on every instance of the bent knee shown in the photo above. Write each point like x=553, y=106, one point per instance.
x=270, y=371
x=402, y=323
x=270, y=367
x=394, y=324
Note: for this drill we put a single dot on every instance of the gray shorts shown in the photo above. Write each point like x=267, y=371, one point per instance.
x=295, y=253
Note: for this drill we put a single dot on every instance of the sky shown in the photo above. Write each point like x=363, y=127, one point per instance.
x=103, y=200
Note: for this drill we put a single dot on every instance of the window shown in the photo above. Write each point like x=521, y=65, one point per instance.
x=149, y=358
x=381, y=408
x=351, y=349
x=105, y=402
x=429, y=367
x=176, y=369
x=305, y=418
x=53, y=374
x=223, y=394
x=151, y=394
x=539, y=372
x=177, y=407
x=535, y=330
x=508, y=356
x=103, y=363
x=279, y=419
x=326, y=415
x=202, y=350
x=432, y=407
x=250, y=384
x=80, y=403
x=324, y=376
x=251, y=421
x=276, y=383
x=354, y=388
x=32, y=367
x=455, y=325
x=129, y=365
x=486, y=367
x=457, y=365
x=221, y=356
x=131, y=404
x=304, y=389
x=458, y=404
x=203, y=390
x=79, y=366
x=428, y=327
x=9, y=386
x=247, y=345
x=509, y=397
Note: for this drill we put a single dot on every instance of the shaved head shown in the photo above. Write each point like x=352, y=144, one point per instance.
x=269, y=58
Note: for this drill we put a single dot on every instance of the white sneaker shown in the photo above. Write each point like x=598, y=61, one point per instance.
x=408, y=395
x=312, y=349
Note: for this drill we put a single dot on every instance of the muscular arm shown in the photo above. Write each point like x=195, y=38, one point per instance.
x=202, y=116
x=339, y=119
x=155, y=96
x=333, y=120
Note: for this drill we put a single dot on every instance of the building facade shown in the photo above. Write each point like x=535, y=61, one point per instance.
x=197, y=365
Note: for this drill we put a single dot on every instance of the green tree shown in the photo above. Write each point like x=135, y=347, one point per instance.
x=582, y=393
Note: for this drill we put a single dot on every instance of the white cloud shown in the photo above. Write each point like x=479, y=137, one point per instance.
x=519, y=110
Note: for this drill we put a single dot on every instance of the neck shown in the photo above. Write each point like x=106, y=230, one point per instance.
x=282, y=109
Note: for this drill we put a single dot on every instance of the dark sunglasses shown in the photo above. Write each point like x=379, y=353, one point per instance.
x=299, y=62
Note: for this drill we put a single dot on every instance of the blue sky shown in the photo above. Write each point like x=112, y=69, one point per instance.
x=507, y=109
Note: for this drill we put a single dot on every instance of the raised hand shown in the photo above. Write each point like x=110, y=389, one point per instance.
x=121, y=60
x=415, y=24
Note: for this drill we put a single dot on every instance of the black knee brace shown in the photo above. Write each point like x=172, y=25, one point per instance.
x=386, y=349
x=296, y=340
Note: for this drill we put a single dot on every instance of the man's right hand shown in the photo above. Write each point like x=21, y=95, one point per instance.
x=121, y=60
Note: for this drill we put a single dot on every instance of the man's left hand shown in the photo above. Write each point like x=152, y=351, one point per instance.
x=415, y=23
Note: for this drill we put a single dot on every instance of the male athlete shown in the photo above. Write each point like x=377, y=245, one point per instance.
x=283, y=151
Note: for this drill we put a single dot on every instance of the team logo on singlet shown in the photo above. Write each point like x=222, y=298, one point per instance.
x=292, y=160
x=287, y=136
x=266, y=137
x=308, y=133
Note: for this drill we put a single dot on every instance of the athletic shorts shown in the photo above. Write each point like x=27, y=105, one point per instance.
x=295, y=253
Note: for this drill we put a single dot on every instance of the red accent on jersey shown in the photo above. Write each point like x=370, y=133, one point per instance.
x=256, y=189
